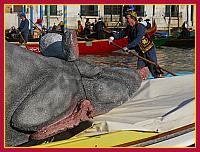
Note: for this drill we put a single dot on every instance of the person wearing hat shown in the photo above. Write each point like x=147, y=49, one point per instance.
x=139, y=40
x=12, y=32
x=37, y=29
x=23, y=28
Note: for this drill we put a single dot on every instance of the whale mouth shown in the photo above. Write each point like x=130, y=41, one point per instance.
x=82, y=112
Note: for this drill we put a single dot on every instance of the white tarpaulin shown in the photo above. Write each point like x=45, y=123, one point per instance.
x=159, y=105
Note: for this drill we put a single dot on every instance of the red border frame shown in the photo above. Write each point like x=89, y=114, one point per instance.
x=2, y=59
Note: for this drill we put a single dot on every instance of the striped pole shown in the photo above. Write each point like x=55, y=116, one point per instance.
x=23, y=8
x=41, y=12
x=48, y=16
x=31, y=18
x=41, y=16
x=65, y=18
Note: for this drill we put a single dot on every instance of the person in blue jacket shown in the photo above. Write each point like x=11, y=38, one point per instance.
x=139, y=40
x=23, y=29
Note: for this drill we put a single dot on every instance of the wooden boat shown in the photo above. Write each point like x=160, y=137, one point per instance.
x=16, y=39
x=152, y=123
x=180, y=42
x=161, y=41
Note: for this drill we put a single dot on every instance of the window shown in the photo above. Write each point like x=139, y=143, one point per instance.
x=174, y=10
x=53, y=9
x=112, y=9
x=89, y=10
x=139, y=10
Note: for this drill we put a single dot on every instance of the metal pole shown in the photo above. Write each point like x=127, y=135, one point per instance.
x=178, y=16
x=192, y=14
x=48, y=16
x=121, y=14
x=169, y=22
x=153, y=14
x=31, y=18
x=65, y=17
x=187, y=15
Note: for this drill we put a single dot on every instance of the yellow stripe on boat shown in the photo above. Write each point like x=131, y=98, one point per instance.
x=106, y=140
x=117, y=139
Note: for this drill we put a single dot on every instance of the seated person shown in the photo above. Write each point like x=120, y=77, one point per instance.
x=185, y=34
x=12, y=32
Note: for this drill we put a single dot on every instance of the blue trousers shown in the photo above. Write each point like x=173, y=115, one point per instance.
x=25, y=36
x=150, y=55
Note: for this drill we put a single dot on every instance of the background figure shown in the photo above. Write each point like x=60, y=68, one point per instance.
x=94, y=25
x=54, y=27
x=99, y=29
x=12, y=32
x=140, y=20
x=37, y=28
x=185, y=34
x=50, y=30
x=148, y=26
x=60, y=27
x=80, y=29
x=23, y=29
x=87, y=27
x=44, y=30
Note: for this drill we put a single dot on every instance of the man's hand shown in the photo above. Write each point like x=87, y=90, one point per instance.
x=110, y=40
x=125, y=49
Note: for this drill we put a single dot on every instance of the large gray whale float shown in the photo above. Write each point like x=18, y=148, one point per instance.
x=50, y=93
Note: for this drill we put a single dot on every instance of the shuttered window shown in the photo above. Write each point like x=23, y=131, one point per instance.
x=89, y=10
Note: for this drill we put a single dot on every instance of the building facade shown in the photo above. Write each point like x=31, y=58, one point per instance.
x=167, y=17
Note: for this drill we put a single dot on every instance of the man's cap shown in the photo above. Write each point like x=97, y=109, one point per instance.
x=39, y=21
x=22, y=14
x=132, y=13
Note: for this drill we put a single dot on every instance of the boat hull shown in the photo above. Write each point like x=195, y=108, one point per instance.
x=180, y=42
x=100, y=46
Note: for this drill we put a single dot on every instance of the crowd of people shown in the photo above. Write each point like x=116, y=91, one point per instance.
x=39, y=30
x=96, y=27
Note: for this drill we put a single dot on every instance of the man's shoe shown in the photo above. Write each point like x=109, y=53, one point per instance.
x=159, y=76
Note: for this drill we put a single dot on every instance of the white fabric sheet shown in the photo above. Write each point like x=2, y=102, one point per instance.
x=159, y=105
